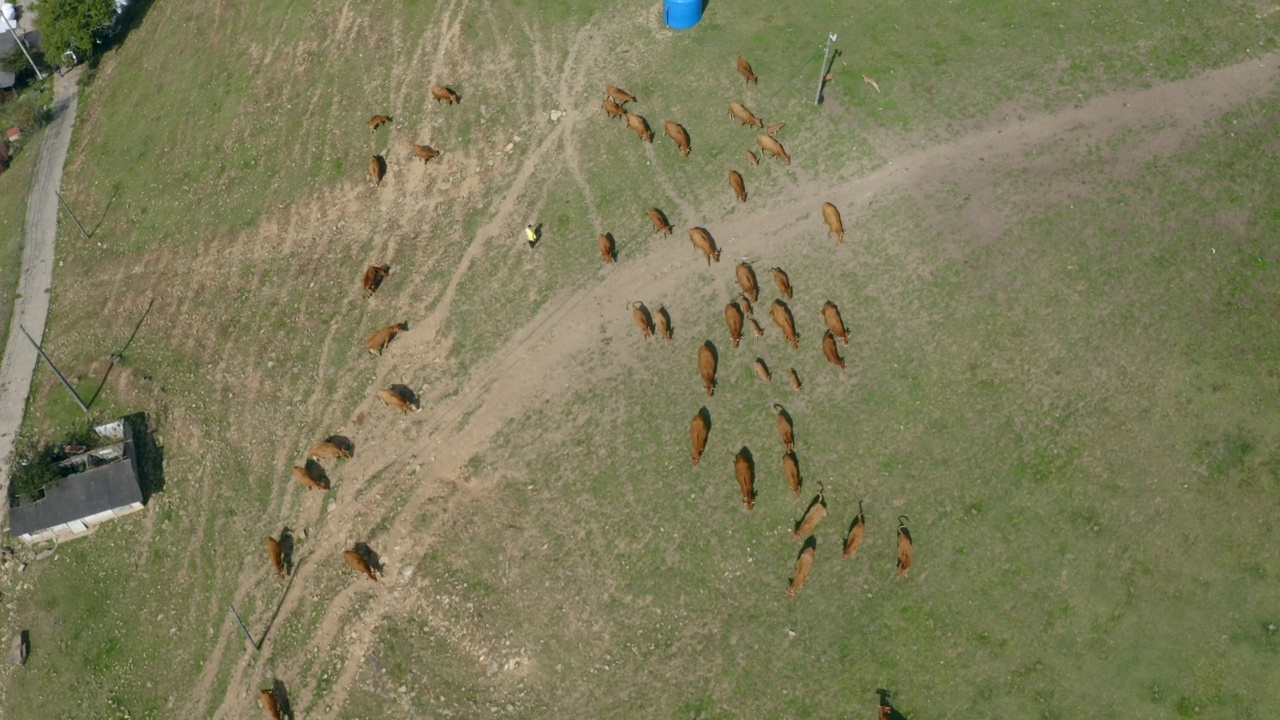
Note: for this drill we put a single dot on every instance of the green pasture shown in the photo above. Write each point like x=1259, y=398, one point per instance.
x=1078, y=415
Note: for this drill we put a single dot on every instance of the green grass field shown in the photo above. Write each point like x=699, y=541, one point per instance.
x=1060, y=369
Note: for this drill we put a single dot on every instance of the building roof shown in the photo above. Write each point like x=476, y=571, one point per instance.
x=105, y=487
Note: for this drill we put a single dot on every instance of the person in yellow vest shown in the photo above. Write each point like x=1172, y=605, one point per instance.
x=531, y=235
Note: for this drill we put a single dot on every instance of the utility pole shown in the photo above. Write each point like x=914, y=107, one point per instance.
x=67, y=207
x=822, y=71
x=242, y=627
x=18, y=40
x=53, y=367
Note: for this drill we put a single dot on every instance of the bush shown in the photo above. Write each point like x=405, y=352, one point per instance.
x=35, y=463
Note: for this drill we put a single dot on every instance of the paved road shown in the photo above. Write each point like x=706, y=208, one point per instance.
x=32, y=304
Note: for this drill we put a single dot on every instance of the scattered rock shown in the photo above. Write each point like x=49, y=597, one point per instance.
x=333, y=503
x=21, y=648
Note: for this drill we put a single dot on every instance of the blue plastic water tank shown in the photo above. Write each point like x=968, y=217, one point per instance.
x=681, y=14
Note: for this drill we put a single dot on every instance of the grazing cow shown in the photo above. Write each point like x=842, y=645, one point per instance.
x=781, y=315
x=662, y=321
x=751, y=157
x=786, y=430
x=378, y=341
x=678, y=135
x=357, y=562
x=327, y=449
x=605, y=241
x=746, y=479
x=612, y=109
x=659, y=221
x=744, y=115
x=733, y=320
x=755, y=328
x=703, y=241
x=373, y=277
x=770, y=145
x=735, y=182
x=267, y=700
x=426, y=152
x=791, y=471
x=831, y=316
x=442, y=94
x=817, y=510
x=830, y=351
x=391, y=398
x=641, y=315
x=795, y=381
x=377, y=169
x=804, y=564
x=378, y=121
x=857, y=532
x=640, y=127
x=305, y=477
x=782, y=281
x=622, y=97
x=276, y=554
x=774, y=128
x=744, y=69
x=762, y=370
x=832, y=217
x=698, y=434
x=746, y=276
x=906, y=551
x=707, y=368
x=745, y=301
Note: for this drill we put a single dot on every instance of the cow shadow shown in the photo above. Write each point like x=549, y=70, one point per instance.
x=379, y=278
x=662, y=215
x=799, y=474
x=817, y=500
x=317, y=471
x=613, y=245
x=457, y=96
x=705, y=414
x=786, y=416
x=745, y=453
x=887, y=710
x=343, y=442
x=406, y=394
x=369, y=556
x=281, y=694
x=667, y=317
x=286, y=549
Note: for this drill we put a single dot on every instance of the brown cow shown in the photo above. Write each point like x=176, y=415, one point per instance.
x=857, y=532
x=703, y=241
x=378, y=121
x=817, y=510
x=745, y=302
x=698, y=434
x=640, y=127
x=774, y=128
x=746, y=276
x=832, y=217
x=391, y=398
x=267, y=700
x=612, y=109
x=305, y=477
x=643, y=319
x=733, y=320
x=906, y=550
x=377, y=169
x=804, y=564
x=786, y=430
x=442, y=94
x=831, y=316
x=735, y=182
x=755, y=328
x=622, y=97
x=659, y=221
x=744, y=115
x=746, y=476
x=276, y=554
x=762, y=370
x=426, y=152
x=744, y=69
x=751, y=157
x=357, y=562
x=791, y=471
x=707, y=368
x=327, y=449
x=378, y=341
x=770, y=145
x=781, y=315
x=678, y=135
x=373, y=277
x=783, y=282
x=795, y=381
x=605, y=241
x=830, y=351
x=662, y=322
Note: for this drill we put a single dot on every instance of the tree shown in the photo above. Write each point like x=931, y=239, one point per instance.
x=70, y=24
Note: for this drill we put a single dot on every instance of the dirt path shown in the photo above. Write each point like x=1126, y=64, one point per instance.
x=544, y=359
x=31, y=306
